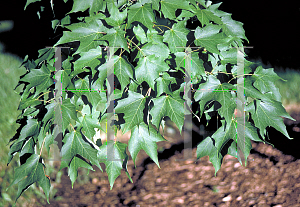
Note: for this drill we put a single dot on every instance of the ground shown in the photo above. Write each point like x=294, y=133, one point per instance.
x=271, y=178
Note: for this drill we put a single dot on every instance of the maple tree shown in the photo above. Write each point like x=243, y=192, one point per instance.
x=150, y=62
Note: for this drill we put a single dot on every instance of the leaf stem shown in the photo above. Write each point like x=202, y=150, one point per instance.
x=42, y=95
x=42, y=146
x=162, y=26
x=148, y=92
x=137, y=47
x=72, y=127
x=45, y=101
x=79, y=112
x=214, y=68
x=125, y=29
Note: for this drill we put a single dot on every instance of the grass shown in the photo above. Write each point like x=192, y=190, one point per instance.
x=9, y=101
x=289, y=90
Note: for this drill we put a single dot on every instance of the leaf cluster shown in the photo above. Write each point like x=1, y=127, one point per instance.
x=153, y=64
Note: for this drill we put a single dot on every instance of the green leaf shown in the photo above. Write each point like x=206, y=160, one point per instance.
x=64, y=21
x=142, y=138
x=45, y=54
x=67, y=65
x=209, y=37
x=93, y=5
x=214, y=9
x=15, y=147
x=67, y=113
x=31, y=111
x=151, y=66
x=213, y=90
x=122, y=69
x=197, y=68
x=247, y=68
x=155, y=5
x=154, y=37
x=233, y=28
x=266, y=113
x=86, y=33
x=68, y=110
x=74, y=165
x=50, y=112
x=141, y=13
x=31, y=129
x=229, y=56
x=132, y=107
x=251, y=91
x=95, y=17
x=74, y=144
x=119, y=161
x=206, y=147
x=176, y=37
x=244, y=143
x=140, y=34
x=145, y=1
x=94, y=97
x=168, y=7
x=159, y=50
x=29, y=2
x=203, y=3
x=89, y=122
x=65, y=79
x=45, y=139
x=89, y=59
x=30, y=172
x=185, y=15
x=39, y=78
x=228, y=103
x=82, y=87
x=204, y=16
x=27, y=101
x=115, y=38
x=173, y=107
x=163, y=84
x=223, y=135
x=103, y=70
x=116, y=17
x=264, y=81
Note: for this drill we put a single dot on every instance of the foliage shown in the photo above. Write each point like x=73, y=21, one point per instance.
x=9, y=101
x=149, y=67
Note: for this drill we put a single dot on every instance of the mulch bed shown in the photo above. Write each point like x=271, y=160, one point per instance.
x=271, y=178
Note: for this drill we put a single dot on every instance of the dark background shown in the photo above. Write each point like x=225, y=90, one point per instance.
x=272, y=28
